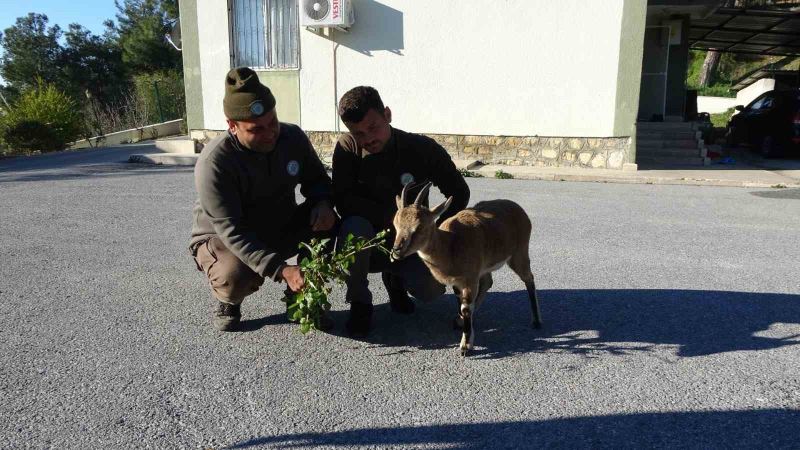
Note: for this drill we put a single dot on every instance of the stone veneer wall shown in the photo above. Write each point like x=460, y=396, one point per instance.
x=610, y=153
x=607, y=153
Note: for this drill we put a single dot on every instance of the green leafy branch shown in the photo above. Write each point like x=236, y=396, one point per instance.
x=322, y=268
x=470, y=174
x=503, y=175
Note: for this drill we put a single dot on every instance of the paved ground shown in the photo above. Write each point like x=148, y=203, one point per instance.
x=672, y=320
x=743, y=168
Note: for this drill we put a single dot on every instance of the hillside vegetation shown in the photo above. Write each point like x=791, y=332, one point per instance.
x=731, y=67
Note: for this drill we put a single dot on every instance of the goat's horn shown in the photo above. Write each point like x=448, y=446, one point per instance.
x=422, y=194
x=403, y=194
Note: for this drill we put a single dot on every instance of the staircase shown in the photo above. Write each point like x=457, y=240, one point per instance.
x=177, y=144
x=660, y=144
x=173, y=151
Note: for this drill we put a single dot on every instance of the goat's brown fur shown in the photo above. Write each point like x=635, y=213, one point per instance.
x=466, y=248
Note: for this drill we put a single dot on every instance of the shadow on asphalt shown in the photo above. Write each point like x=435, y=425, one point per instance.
x=108, y=161
x=782, y=194
x=246, y=326
x=768, y=428
x=90, y=170
x=593, y=323
x=740, y=158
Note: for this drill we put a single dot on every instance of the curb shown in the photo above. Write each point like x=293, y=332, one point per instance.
x=171, y=159
x=184, y=159
x=648, y=180
x=632, y=178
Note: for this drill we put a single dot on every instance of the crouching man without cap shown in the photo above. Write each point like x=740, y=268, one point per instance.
x=371, y=164
x=246, y=219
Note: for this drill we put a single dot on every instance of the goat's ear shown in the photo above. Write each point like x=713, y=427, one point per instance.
x=439, y=210
x=399, y=202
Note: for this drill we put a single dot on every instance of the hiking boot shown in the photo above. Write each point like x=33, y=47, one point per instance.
x=358, y=324
x=399, y=300
x=226, y=316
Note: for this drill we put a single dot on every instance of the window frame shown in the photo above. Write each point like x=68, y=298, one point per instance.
x=232, y=39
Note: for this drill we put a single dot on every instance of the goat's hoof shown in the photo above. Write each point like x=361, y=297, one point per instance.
x=464, y=352
x=536, y=324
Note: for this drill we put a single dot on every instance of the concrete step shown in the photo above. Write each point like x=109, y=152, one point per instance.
x=651, y=135
x=666, y=143
x=679, y=152
x=467, y=164
x=177, y=144
x=647, y=161
x=664, y=126
x=167, y=159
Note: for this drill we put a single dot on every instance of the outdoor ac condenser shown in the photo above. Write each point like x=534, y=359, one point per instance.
x=326, y=13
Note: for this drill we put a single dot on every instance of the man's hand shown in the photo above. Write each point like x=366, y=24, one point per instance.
x=322, y=216
x=293, y=277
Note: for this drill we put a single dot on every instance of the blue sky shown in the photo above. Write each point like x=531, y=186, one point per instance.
x=89, y=13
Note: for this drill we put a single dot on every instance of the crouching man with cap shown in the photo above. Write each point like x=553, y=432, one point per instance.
x=247, y=222
x=371, y=164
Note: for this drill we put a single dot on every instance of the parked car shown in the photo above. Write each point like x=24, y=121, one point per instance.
x=770, y=124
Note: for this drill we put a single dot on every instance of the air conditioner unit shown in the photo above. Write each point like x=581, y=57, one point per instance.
x=326, y=13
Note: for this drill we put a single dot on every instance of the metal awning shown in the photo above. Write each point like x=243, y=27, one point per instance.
x=752, y=77
x=741, y=30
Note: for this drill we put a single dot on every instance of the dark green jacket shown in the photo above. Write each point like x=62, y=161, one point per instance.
x=246, y=197
x=366, y=184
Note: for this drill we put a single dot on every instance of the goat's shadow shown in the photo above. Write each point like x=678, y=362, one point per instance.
x=594, y=322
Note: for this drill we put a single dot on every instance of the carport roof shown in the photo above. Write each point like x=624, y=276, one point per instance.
x=754, y=31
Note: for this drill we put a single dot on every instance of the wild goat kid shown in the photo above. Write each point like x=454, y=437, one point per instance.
x=466, y=248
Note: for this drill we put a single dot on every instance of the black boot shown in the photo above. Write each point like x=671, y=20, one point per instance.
x=226, y=316
x=399, y=300
x=358, y=324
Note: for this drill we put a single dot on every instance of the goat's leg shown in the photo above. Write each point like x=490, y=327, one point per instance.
x=485, y=284
x=458, y=322
x=534, y=299
x=467, y=301
x=520, y=263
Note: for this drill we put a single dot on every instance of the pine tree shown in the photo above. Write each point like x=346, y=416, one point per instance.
x=142, y=25
x=31, y=52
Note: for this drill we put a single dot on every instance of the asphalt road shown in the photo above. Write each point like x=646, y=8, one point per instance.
x=672, y=320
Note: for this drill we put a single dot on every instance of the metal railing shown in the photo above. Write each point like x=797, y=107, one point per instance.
x=265, y=34
x=761, y=4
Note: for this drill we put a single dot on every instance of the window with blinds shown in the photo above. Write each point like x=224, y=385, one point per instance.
x=265, y=34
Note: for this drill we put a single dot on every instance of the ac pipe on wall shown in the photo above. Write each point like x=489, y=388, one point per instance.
x=336, y=126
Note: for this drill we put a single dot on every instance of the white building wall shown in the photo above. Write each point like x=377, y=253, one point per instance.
x=212, y=23
x=485, y=67
x=715, y=105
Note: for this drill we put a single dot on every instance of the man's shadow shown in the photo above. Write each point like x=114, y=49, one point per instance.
x=592, y=322
x=246, y=326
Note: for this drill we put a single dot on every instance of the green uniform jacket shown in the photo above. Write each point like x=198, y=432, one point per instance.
x=246, y=197
x=366, y=184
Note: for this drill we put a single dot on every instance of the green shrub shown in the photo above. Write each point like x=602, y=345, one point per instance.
x=30, y=135
x=161, y=95
x=717, y=90
x=469, y=174
x=43, y=118
x=721, y=120
x=503, y=175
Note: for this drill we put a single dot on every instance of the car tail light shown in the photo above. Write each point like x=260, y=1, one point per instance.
x=796, y=128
